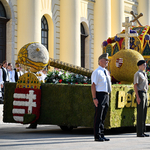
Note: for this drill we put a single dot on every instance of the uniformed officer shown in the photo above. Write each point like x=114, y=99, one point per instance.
x=101, y=88
x=141, y=87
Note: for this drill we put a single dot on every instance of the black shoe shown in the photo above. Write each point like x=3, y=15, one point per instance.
x=105, y=139
x=146, y=135
x=142, y=135
x=99, y=139
x=32, y=126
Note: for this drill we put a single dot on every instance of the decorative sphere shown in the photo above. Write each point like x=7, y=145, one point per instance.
x=34, y=55
x=123, y=65
x=105, y=43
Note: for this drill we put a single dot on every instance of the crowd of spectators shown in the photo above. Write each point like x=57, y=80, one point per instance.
x=8, y=73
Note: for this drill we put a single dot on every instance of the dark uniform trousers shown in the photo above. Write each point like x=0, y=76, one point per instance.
x=100, y=113
x=141, y=113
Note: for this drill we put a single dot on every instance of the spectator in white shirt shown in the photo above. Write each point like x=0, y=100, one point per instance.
x=9, y=68
x=16, y=73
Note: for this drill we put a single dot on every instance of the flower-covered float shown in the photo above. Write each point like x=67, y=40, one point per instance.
x=70, y=105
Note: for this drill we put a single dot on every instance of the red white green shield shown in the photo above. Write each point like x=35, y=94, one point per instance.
x=26, y=105
x=119, y=62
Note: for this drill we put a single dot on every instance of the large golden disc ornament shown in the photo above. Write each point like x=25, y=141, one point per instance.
x=123, y=65
x=33, y=55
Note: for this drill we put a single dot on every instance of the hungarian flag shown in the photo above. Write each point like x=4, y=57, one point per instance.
x=26, y=105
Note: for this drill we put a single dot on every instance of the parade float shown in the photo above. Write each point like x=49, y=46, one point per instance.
x=71, y=105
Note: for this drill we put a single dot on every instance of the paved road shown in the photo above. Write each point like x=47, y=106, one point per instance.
x=15, y=136
x=46, y=137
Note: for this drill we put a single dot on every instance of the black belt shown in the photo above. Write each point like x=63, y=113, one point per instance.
x=141, y=91
x=102, y=92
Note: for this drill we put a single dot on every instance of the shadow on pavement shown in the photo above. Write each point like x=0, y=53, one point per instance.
x=19, y=132
x=88, y=131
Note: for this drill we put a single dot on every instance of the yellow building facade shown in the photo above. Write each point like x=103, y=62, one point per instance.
x=72, y=30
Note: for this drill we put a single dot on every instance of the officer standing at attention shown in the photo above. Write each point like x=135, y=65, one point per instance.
x=101, y=88
x=141, y=87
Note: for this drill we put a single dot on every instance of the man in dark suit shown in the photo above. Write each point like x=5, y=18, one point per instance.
x=5, y=76
x=5, y=71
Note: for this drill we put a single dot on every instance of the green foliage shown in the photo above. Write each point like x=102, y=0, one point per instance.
x=28, y=118
x=72, y=105
x=8, y=102
x=66, y=105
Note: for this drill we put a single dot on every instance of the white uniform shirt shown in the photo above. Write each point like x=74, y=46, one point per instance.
x=20, y=73
x=10, y=76
x=99, y=78
x=140, y=78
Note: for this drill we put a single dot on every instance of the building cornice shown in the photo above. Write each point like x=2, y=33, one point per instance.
x=92, y=1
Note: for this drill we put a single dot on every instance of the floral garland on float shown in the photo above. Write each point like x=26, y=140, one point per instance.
x=60, y=76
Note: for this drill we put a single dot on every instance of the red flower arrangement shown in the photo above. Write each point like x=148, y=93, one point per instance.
x=60, y=80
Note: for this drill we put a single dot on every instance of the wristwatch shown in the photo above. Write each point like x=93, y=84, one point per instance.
x=94, y=98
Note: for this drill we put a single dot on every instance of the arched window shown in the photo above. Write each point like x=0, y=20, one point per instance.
x=44, y=32
x=3, y=21
x=2, y=11
x=83, y=36
x=82, y=29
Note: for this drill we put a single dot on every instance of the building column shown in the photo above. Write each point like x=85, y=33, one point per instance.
x=70, y=31
x=144, y=7
x=102, y=26
x=29, y=22
x=117, y=16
